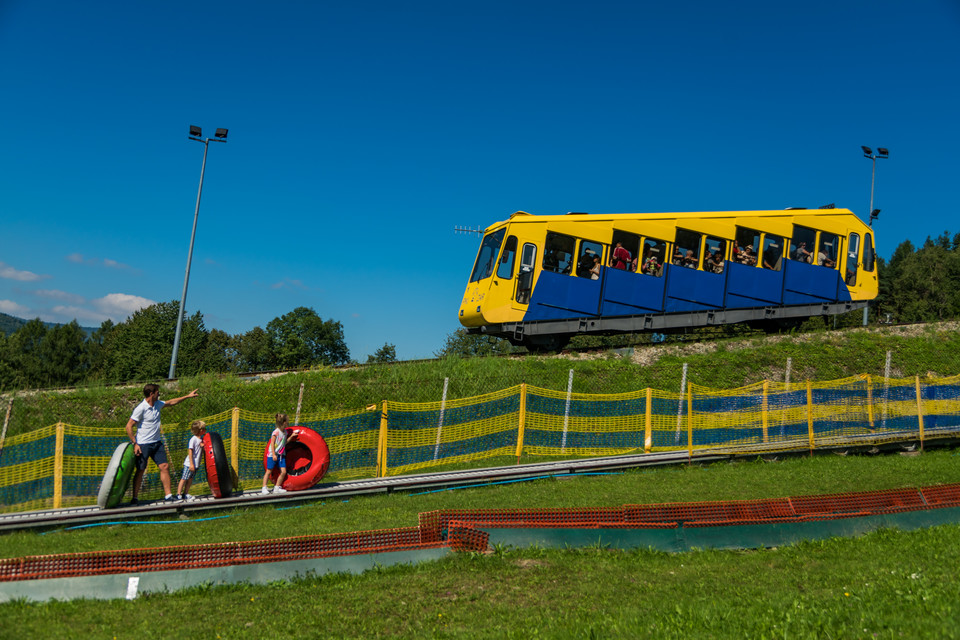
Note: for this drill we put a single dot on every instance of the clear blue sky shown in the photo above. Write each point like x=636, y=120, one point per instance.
x=362, y=133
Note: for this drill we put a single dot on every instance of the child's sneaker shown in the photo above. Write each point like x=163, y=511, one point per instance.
x=264, y=491
x=171, y=498
x=177, y=496
x=279, y=489
x=189, y=497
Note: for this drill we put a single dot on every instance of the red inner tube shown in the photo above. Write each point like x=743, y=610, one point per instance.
x=308, y=458
x=219, y=475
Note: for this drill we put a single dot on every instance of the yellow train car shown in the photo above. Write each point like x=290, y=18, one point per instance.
x=538, y=280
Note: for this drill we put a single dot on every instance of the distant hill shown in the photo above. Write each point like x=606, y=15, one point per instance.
x=9, y=324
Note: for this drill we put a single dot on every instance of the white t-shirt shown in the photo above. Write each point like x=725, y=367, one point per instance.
x=279, y=436
x=195, y=448
x=148, y=421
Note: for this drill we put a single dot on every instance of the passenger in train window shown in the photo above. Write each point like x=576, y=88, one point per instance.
x=803, y=254
x=620, y=257
x=689, y=260
x=747, y=256
x=771, y=257
x=714, y=262
x=824, y=260
x=595, y=269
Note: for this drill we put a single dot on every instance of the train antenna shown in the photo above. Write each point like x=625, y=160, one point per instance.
x=468, y=230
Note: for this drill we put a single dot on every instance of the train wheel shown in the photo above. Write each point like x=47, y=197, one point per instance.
x=546, y=344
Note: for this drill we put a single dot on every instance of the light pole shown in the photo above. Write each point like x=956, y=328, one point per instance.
x=195, y=134
x=882, y=153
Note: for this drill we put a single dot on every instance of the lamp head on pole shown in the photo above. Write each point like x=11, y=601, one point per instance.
x=874, y=215
x=196, y=132
x=883, y=152
x=221, y=133
x=867, y=151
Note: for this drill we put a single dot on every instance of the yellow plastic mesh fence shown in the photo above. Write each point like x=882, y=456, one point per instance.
x=62, y=465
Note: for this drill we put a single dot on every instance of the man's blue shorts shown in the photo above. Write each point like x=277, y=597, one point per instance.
x=154, y=450
x=281, y=462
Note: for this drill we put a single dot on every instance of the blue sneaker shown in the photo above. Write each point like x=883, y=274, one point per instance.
x=171, y=498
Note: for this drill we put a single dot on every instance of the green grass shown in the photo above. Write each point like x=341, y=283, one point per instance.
x=730, y=363
x=889, y=583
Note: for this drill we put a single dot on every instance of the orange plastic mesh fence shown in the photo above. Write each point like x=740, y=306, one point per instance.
x=223, y=554
x=461, y=530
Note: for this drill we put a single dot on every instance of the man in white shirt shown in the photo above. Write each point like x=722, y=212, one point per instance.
x=148, y=442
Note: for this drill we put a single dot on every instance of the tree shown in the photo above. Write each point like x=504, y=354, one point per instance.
x=24, y=354
x=386, y=353
x=62, y=354
x=140, y=347
x=466, y=345
x=301, y=338
x=256, y=351
x=223, y=353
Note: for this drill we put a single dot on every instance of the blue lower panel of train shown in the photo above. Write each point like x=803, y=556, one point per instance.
x=623, y=293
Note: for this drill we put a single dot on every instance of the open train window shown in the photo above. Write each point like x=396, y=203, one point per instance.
x=713, y=261
x=590, y=260
x=686, y=252
x=487, y=257
x=746, y=246
x=631, y=244
x=655, y=254
x=558, y=253
x=853, y=251
x=828, y=250
x=802, y=243
x=868, y=255
x=772, y=252
x=505, y=267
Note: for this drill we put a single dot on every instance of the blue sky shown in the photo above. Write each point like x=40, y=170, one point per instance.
x=362, y=133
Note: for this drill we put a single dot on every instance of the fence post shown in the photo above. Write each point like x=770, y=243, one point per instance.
x=382, y=444
x=523, y=419
x=920, y=412
x=785, y=398
x=689, y=424
x=235, y=438
x=296, y=420
x=648, y=429
x=443, y=407
x=683, y=390
x=886, y=389
x=870, y=400
x=58, y=469
x=6, y=421
x=566, y=413
x=810, y=414
x=765, y=410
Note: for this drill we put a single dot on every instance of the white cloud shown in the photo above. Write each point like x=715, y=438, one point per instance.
x=12, y=308
x=55, y=294
x=288, y=283
x=119, y=306
x=64, y=313
x=10, y=273
x=79, y=258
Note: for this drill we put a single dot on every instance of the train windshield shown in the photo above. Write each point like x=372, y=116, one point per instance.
x=487, y=258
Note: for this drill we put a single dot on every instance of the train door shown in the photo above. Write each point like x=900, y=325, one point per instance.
x=524, y=285
x=853, y=255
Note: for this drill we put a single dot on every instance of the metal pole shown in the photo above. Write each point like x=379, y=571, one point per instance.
x=873, y=179
x=186, y=277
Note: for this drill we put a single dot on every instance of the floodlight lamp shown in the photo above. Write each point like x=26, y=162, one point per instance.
x=221, y=133
x=882, y=151
x=875, y=213
x=195, y=131
x=866, y=150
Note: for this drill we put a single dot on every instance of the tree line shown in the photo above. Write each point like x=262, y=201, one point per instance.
x=916, y=285
x=38, y=355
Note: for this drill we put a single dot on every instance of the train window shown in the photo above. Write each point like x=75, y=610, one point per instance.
x=631, y=244
x=558, y=255
x=716, y=254
x=528, y=258
x=654, y=255
x=828, y=249
x=505, y=268
x=686, y=252
x=590, y=260
x=853, y=251
x=802, y=243
x=487, y=257
x=772, y=252
x=746, y=246
x=868, y=254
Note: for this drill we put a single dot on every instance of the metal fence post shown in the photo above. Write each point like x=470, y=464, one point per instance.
x=683, y=389
x=919, y=411
x=382, y=444
x=765, y=410
x=810, y=414
x=58, y=469
x=235, y=438
x=648, y=428
x=443, y=407
x=522, y=419
x=566, y=412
